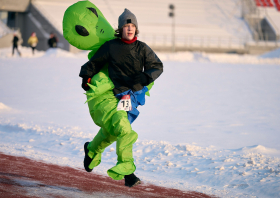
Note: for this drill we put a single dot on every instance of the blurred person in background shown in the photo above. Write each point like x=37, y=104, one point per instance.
x=33, y=41
x=15, y=44
x=52, y=41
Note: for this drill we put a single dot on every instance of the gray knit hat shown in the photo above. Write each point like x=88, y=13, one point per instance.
x=127, y=17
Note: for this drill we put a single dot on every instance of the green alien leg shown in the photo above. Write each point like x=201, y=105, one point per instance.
x=126, y=137
x=97, y=146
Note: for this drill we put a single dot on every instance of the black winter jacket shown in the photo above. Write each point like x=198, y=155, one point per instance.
x=15, y=41
x=125, y=61
x=52, y=42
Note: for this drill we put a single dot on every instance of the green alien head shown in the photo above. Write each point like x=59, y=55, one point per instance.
x=85, y=27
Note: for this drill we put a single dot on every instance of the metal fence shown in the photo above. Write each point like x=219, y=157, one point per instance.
x=206, y=43
x=195, y=40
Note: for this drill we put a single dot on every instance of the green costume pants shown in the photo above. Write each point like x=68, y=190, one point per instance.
x=115, y=126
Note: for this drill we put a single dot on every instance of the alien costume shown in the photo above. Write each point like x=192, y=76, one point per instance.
x=85, y=27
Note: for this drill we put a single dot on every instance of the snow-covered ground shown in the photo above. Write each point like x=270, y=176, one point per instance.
x=210, y=125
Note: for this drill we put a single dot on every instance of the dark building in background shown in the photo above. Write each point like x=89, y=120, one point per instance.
x=23, y=16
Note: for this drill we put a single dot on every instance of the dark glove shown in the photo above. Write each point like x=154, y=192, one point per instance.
x=84, y=83
x=141, y=78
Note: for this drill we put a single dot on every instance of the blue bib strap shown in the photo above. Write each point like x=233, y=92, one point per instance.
x=137, y=98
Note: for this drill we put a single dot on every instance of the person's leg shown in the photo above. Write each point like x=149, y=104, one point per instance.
x=126, y=137
x=104, y=113
x=13, y=50
x=18, y=51
x=131, y=180
x=96, y=147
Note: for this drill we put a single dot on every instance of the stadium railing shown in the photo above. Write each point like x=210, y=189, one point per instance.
x=206, y=43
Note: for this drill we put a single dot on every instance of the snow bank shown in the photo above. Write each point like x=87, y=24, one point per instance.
x=243, y=172
x=26, y=52
x=272, y=57
x=269, y=58
x=211, y=124
x=57, y=52
x=4, y=107
x=272, y=54
x=261, y=149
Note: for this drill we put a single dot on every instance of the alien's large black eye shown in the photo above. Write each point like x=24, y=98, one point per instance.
x=93, y=10
x=81, y=30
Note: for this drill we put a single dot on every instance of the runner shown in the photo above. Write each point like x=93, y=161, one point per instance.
x=132, y=65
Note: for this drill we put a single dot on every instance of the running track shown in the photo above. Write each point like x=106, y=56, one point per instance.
x=22, y=177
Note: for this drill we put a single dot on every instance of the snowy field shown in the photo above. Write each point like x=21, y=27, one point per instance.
x=211, y=123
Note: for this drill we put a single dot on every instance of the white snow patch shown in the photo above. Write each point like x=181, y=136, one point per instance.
x=224, y=105
x=4, y=107
x=57, y=52
x=261, y=149
x=270, y=58
x=273, y=54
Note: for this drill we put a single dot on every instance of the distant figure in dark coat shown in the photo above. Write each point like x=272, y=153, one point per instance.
x=15, y=44
x=52, y=41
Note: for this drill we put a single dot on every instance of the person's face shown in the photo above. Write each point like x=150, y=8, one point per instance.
x=128, y=31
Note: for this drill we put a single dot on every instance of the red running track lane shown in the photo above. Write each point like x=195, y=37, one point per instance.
x=22, y=177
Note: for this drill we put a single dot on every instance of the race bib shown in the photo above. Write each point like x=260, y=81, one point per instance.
x=125, y=103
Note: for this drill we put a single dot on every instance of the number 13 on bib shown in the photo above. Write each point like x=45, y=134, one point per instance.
x=125, y=103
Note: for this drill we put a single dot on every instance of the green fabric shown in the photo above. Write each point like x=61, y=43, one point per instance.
x=100, y=98
x=99, y=28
